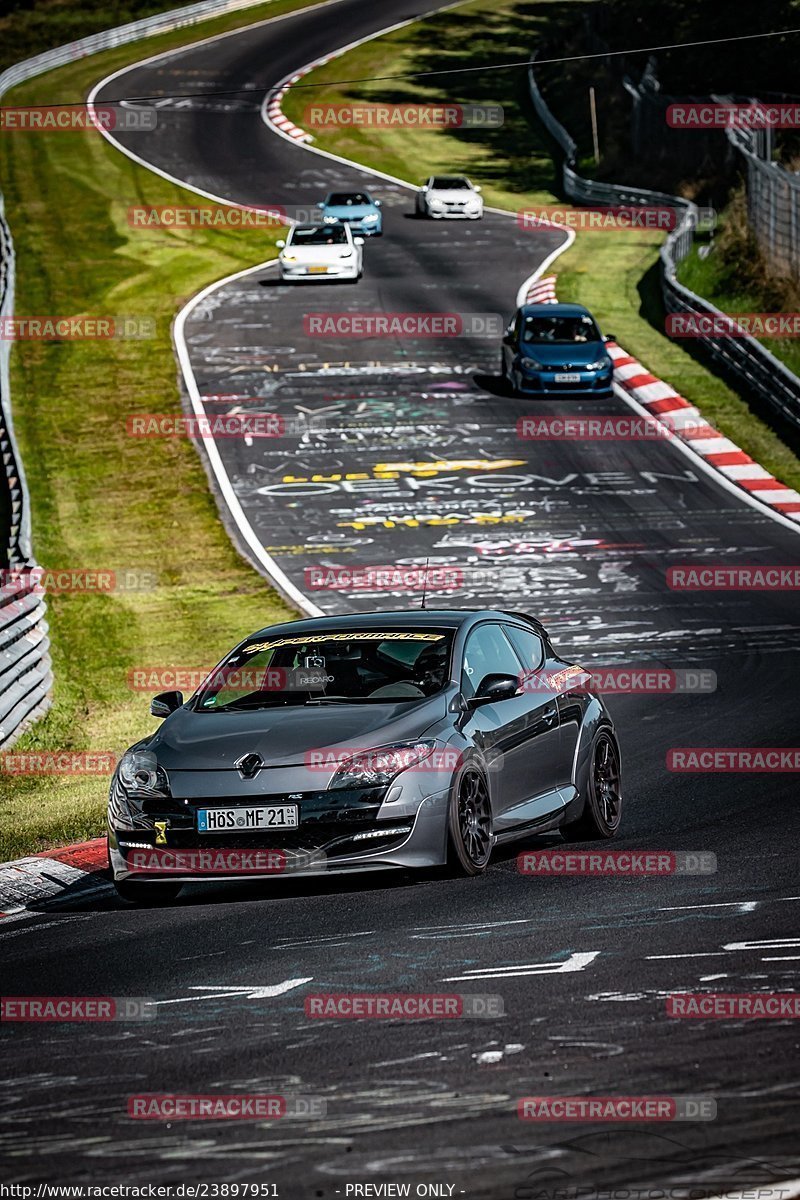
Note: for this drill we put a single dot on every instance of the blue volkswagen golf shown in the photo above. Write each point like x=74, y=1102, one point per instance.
x=555, y=349
x=356, y=209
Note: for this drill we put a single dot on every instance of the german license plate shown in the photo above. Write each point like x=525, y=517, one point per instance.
x=568, y=377
x=244, y=820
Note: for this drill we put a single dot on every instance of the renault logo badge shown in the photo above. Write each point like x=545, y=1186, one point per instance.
x=249, y=765
x=161, y=832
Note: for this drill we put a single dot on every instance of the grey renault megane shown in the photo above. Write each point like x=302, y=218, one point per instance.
x=334, y=744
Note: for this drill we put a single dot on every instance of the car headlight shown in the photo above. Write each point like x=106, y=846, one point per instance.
x=377, y=768
x=140, y=773
x=330, y=220
x=597, y=366
x=434, y=203
x=474, y=203
x=532, y=364
x=370, y=219
x=288, y=258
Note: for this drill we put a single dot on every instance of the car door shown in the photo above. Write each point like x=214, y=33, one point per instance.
x=518, y=736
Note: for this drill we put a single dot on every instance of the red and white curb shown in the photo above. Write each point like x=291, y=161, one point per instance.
x=542, y=291
x=273, y=108
x=687, y=423
x=30, y=881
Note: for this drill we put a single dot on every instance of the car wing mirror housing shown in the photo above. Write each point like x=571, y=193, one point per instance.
x=609, y=337
x=494, y=688
x=165, y=703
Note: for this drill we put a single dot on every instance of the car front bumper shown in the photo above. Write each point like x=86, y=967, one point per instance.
x=339, y=830
x=316, y=272
x=544, y=383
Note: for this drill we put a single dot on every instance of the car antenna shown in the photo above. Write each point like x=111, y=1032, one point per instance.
x=424, y=583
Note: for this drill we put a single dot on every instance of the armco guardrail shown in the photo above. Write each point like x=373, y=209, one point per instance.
x=25, y=668
x=745, y=359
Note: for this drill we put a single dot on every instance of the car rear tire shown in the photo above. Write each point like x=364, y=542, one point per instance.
x=602, y=810
x=470, y=837
x=147, y=893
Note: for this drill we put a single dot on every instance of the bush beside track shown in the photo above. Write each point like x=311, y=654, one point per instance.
x=100, y=499
x=613, y=272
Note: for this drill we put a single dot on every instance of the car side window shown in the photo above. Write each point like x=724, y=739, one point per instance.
x=487, y=652
x=528, y=645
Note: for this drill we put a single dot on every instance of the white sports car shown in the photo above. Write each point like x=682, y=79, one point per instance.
x=450, y=196
x=321, y=252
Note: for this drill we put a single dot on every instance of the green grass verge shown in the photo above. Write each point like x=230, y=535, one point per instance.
x=614, y=273
x=735, y=277
x=99, y=498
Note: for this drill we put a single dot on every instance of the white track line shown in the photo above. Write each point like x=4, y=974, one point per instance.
x=274, y=572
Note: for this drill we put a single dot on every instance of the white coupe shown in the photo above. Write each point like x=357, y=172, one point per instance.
x=450, y=196
x=321, y=252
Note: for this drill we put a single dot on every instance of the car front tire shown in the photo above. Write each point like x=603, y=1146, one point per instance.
x=470, y=836
x=602, y=809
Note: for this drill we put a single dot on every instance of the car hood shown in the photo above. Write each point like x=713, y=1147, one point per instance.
x=453, y=194
x=193, y=741
x=576, y=355
x=350, y=210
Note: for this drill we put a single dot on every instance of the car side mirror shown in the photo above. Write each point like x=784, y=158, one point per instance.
x=378, y=203
x=609, y=337
x=494, y=688
x=476, y=188
x=165, y=703
x=424, y=187
x=358, y=241
x=508, y=338
x=281, y=242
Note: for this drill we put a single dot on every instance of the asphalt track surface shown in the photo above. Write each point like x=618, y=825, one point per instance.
x=583, y=965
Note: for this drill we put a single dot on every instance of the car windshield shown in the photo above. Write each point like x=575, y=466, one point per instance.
x=343, y=199
x=319, y=235
x=351, y=666
x=450, y=182
x=560, y=331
